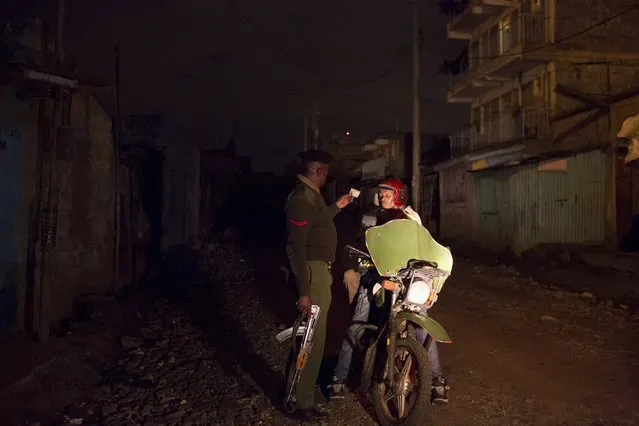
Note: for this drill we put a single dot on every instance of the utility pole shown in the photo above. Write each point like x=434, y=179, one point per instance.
x=305, y=131
x=416, y=180
x=116, y=181
x=60, y=31
x=315, y=126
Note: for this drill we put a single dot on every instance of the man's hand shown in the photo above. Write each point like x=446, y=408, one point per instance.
x=344, y=201
x=304, y=305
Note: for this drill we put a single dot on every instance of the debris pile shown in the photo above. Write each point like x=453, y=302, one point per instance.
x=195, y=362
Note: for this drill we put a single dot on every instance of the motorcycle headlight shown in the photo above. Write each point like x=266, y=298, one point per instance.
x=419, y=292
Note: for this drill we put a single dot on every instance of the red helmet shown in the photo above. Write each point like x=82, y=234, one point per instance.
x=398, y=187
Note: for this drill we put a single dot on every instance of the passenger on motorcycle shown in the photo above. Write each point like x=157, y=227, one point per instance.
x=392, y=195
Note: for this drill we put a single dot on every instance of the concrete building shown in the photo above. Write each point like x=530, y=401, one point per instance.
x=57, y=186
x=543, y=85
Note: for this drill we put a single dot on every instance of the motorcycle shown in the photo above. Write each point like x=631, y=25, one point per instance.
x=412, y=268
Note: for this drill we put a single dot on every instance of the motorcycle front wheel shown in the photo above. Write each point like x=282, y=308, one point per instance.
x=406, y=401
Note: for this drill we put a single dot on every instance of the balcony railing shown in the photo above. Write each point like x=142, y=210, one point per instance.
x=515, y=125
x=524, y=30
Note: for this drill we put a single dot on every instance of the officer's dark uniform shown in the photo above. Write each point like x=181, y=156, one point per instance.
x=312, y=242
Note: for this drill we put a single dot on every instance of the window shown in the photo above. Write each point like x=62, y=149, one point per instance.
x=485, y=113
x=536, y=6
x=508, y=101
x=485, y=48
x=538, y=88
x=476, y=119
x=505, y=35
x=474, y=55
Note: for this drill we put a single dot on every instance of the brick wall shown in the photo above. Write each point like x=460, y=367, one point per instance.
x=618, y=35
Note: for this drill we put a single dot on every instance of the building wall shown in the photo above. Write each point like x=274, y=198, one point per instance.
x=619, y=35
x=219, y=184
x=458, y=211
x=598, y=81
x=83, y=257
x=182, y=194
x=18, y=140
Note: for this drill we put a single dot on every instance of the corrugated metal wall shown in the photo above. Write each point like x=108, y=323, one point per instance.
x=519, y=208
x=494, y=222
x=457, y=208
x=489, y=210
x=558, y=206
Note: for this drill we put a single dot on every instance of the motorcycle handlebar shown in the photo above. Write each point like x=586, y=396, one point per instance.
x=355, y=252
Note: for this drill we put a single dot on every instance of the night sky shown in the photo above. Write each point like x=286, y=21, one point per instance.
x=204, y=67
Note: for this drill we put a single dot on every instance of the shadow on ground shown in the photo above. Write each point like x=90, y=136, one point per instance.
x=185, y=283
x=209, y=308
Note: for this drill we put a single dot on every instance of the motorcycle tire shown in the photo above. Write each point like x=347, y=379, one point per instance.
x=368, y=369
x=419, y=413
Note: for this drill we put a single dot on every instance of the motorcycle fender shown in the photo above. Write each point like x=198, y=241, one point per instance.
x=432, y=327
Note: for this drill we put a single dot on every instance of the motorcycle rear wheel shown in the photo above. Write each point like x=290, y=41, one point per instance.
x=405, y=403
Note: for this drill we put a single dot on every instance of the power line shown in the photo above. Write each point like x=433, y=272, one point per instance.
x=296, y=60
x=562, y=39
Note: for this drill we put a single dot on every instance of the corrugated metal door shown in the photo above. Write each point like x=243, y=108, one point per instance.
x=555, y=207
x=10, y=150
x=587, y=196
x=489, y=217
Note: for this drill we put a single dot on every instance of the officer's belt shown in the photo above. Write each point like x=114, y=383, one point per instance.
x=328, y=264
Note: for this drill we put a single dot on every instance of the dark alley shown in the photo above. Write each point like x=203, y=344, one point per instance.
x=239, y=212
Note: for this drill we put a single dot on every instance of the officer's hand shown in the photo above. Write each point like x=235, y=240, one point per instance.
x=304, y=305
x=344, y=201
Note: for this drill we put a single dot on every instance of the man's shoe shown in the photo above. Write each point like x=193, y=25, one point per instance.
x=309, y=414
x=439, y=391
x=337, y=389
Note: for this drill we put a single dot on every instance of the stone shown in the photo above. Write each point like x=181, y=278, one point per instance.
x=128, y=343
x=548, y=318
x=109, y=409
x=586, y=295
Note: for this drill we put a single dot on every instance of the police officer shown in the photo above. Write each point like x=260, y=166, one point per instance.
x=312, y=242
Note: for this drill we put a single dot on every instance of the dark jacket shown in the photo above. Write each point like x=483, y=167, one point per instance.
x=383, y=216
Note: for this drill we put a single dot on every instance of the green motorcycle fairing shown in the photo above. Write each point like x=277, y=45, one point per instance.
x=394, y=243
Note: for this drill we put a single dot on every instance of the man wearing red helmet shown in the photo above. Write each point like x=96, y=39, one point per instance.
x=392, y=197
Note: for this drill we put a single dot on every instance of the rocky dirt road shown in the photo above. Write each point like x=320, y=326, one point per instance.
x=201, y=351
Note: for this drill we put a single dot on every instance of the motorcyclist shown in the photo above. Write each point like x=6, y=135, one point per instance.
x=392, y=196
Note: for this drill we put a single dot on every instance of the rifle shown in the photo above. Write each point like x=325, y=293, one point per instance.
x=304, y=327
